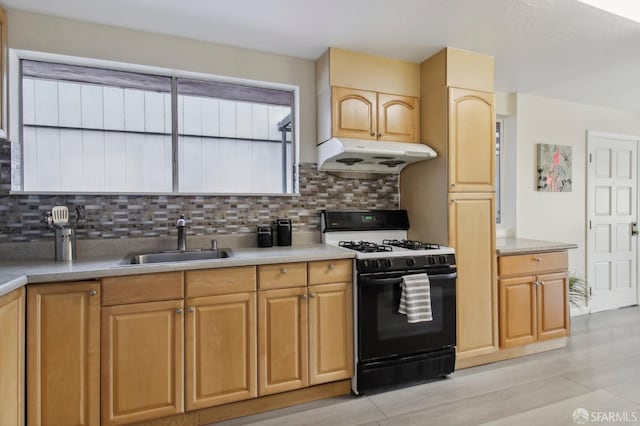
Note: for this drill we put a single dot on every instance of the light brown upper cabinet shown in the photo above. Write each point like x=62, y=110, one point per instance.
x=367, y=97
x=472, y=139
x=4, y=127
x=12, y=358
x=63, y=350
x=364, y=114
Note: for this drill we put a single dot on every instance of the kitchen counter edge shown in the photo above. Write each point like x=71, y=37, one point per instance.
x=514, y=246
x=16, y=274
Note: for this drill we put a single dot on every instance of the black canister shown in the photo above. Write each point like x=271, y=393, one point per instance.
x=265, y=236
x=283, y=228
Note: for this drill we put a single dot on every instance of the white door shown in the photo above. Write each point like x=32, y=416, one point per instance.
x=612, y=196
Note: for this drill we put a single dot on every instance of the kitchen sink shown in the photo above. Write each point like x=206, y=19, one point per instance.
x=177, y=256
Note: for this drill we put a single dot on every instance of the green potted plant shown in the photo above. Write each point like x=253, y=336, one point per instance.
x=578, y=291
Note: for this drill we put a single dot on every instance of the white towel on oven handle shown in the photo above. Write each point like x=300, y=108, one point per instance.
x=415, y=300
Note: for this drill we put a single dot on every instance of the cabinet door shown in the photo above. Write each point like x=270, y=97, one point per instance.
x=553, y=307
x=63, y=346
x=282, y=340
x=398, y=118
x=517, y=311
x=142, y=361
x=353, y=113
x=330, y=333
x=220, y=349
x=472, y=234
x=12, y=358
x=472, y=141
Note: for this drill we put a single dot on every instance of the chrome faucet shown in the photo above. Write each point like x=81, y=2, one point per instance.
x=181, y=224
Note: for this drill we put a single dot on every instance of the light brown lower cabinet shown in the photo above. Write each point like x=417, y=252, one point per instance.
x=63, y=349
x=12, y=339
x=305, y=334
x=330, y=333
x=282, y=340
x=220, y=349
x=472, y=233
x=533, y=308
x=142, y=365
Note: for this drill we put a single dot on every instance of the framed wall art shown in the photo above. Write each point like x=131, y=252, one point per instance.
x=554, y=168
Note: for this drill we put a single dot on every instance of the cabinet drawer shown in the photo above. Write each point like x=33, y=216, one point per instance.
x=330, y=271
x=142, y=288
x=533, y=263
x=213, y=282
x=282, y=275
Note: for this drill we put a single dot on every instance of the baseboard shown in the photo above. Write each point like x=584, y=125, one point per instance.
x=233, y=410
x=514, y=352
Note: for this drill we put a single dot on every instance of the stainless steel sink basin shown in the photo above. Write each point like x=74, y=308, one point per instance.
x=177, y=256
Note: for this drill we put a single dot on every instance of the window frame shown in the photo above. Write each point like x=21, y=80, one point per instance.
x=15, y=118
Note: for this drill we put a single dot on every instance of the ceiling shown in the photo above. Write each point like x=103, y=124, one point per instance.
x=562, y=49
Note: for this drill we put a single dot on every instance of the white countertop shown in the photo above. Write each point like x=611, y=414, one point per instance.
x=511, y=246
x=16, y=274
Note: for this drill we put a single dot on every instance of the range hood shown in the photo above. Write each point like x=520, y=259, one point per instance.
x=368, y=156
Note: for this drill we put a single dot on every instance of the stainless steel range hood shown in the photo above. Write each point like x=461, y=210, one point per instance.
x=367, y=156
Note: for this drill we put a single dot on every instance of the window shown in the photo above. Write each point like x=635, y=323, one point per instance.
x=89, y=129
x=498, y=174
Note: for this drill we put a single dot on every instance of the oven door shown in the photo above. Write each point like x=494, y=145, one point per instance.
x=383, y=332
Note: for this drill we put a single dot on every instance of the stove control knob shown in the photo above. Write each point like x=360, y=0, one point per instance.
x=411, y=261
x=375, y=264
x=365, y=264
x=431, y=260
x=386, y=263
x=443, y=259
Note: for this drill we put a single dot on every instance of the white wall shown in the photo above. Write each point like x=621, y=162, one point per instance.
x=29, y=31
x=559, y=216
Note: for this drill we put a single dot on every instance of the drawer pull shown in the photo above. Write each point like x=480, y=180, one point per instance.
x=303, y=297
x=179, y=311
x=284, y=270
x=191, y=309
x=537, y=259
x=332, y=266
x=92, y=292
x=312, y=295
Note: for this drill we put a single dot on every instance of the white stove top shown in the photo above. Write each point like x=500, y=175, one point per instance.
x=377, y=237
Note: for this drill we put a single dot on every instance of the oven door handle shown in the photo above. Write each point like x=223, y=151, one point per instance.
x=386, y=279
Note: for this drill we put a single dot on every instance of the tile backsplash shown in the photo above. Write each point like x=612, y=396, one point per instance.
x=133, y=216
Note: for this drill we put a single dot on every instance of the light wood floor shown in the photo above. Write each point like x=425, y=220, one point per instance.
x=599, y=371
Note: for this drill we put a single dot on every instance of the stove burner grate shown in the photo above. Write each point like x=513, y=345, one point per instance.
x=411, y=244
x=365, y=246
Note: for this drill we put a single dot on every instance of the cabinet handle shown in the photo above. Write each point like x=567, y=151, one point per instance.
x=312, y=295
x=303, y=297
x=92, y=292
x=541, y=282
x=373, y=133
x=380, y=135
x=536, y=283
x=179, y=311
x=453, y=184
x=283, y=270
x=537, y=259
x=191, y=309
x=332, y=266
